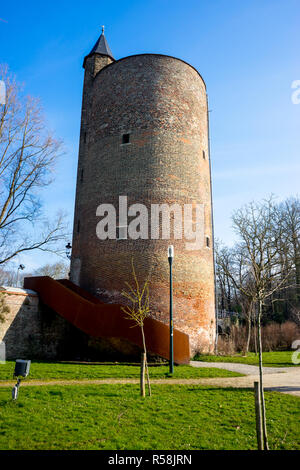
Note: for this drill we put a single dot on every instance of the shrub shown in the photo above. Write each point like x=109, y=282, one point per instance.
x=275, y=337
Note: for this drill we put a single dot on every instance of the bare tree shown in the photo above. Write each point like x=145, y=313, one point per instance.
x=59, y=270
x=261, y=235
x=27, y=156
x=282, y=304
x=264, y=266
x=231, y=277
x=289, y=217
x=7, y=276
x=247, y=309
x=296, y=316
x=138, y=311
x=223, y=267
x=255, y=266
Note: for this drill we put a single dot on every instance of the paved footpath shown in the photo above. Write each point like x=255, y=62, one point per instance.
x=280, y=379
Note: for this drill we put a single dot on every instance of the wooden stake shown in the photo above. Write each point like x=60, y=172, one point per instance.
x=148, y=379
x=143, y=363
x=259, y=433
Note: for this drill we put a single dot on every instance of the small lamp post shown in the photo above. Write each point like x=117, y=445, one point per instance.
x=68, y=250
x=170, y=258
x=22, y=267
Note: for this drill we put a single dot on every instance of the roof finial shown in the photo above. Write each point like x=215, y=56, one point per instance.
x=102, y=29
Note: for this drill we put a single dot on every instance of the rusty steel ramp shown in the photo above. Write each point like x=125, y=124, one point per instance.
x=102, y=320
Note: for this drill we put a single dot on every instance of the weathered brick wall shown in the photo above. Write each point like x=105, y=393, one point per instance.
x=32, y=331
x=161, y=102
x=92, y=66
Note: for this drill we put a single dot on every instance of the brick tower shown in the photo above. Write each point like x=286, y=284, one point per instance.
x=144, y=135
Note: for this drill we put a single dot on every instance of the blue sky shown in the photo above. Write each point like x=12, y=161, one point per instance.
x=247, y=52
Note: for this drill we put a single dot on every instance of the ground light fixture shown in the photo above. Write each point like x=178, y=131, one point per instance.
x=22, y=368
x=170, y=258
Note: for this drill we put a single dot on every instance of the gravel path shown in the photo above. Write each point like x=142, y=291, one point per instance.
x=285, y=382
x=241, y=368
x=280, y=379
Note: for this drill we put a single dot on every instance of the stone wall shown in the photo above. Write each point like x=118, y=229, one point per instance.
x=32, y=331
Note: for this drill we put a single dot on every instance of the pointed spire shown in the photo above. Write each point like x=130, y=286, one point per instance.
x=101, y=47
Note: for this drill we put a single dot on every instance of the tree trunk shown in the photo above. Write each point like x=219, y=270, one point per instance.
x=262, y=398
x=249, y=333
x=217, y=334
x=297, y=265
x=255, y=335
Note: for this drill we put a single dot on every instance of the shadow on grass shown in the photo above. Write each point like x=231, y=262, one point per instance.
x=282, y=389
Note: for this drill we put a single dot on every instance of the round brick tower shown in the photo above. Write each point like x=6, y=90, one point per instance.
x=144, y=135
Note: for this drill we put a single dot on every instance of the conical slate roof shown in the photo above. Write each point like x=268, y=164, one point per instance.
x=101, y=47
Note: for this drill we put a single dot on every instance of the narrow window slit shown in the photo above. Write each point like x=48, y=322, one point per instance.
x=125, y=138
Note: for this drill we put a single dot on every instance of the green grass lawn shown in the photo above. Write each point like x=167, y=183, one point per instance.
x=116, y=417
x=270, y=359
x=67, y=371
